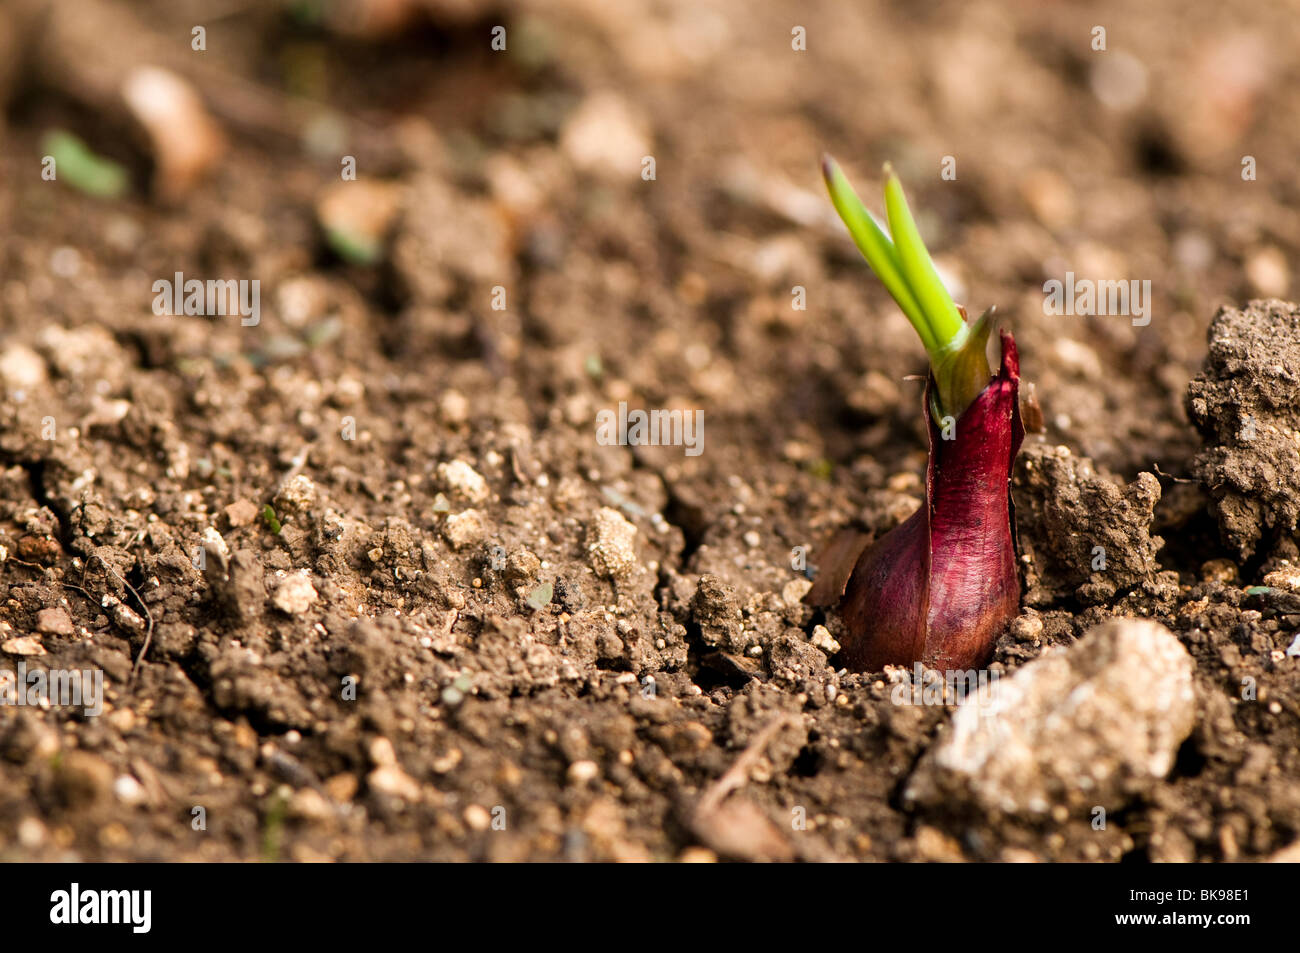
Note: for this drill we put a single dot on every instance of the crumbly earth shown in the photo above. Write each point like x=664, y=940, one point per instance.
x=364, y=585
x=1245, y=406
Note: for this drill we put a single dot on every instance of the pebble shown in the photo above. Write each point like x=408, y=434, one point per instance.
x=298, y=495
x=1288, y=579
x=1027, y=628
x=31, y=832
x=1267, y=272
x=604, y=135
x=1219, y=570
x=611, y=543
x=822, y=639
x=462, y=481
x=1093, y=724
x=477, y=817
x=582, y=772
x=21, y=368
x=395, y=782
x=242, y=513
x=792, y=592
x=128, y=790
x=463, y=529
x=23, y=645
x=453, y=408
x=309, y=804
x=295, y=594
x=382, y=752
x=300, y=300
x=186, y=141
x=54, y=621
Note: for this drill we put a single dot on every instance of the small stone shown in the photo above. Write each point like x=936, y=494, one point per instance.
x=1267, y=271
x=21, y=368
x=462, y=481
x=382, y=752
x=822, y=639
x=1288, y=579
x=54, y=621
x=583, y=772
x=1097, y=723
x=935, y=846
x=394, y=782
x=129, y=791
x=611, y=544
x=606, y=136
x=1219, y=570
x=242, y=513
x=522, y=568
x=1027, y=628
x=214, y=545
x=31, y=832
x=342, y=788
x=123, y=615
x=23, y=645
x=301, y=300
x=310, y=805
x=295, y=594
x=298, y=495
x=477, y=817
x=463, y=529
x=792, y=592
x=752, y=539
x=447, y=762
x=453, y=408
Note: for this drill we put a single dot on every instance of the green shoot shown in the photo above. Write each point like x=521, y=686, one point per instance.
x=956, y=349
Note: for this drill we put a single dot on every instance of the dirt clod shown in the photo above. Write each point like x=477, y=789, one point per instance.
x=1246, y=405
x=1080, y=533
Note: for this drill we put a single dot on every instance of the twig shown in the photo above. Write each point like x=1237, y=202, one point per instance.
x=737, y=775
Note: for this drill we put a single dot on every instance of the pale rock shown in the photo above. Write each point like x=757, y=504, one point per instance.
x=461, y=480
x=295, y=594
x=1090, y=725
x=611, y=543
x=463, y=529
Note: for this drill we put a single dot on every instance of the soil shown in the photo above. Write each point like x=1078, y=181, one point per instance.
x=364, y=585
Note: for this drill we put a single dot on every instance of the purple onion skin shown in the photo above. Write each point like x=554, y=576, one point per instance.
x=938, y=588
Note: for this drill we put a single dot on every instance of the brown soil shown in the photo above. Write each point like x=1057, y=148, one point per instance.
x=663, y=698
